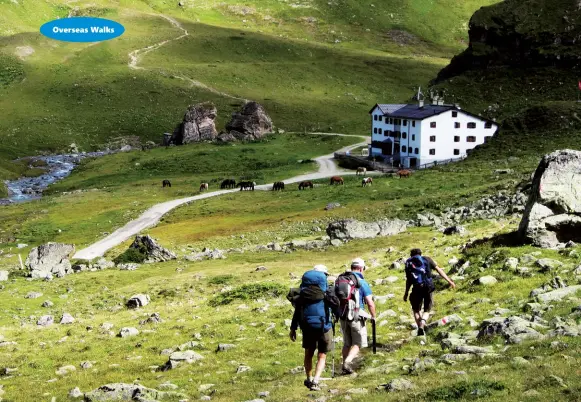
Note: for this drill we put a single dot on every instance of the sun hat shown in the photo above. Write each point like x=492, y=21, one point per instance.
x=321, y=268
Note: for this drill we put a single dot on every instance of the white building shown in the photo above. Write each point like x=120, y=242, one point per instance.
x=418, y=134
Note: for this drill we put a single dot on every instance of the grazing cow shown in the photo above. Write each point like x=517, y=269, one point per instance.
x=204, y=187
x=336, y=180
x=404, y=173
x=361, y=170
x=305, y=184
x=166, y=183
x=246, y=185
x=228, y=183
x=366, y=181
x=278, y=186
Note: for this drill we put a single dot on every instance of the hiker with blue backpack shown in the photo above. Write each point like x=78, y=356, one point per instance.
x=312, y=314
x=418, y=271
x=353, y=293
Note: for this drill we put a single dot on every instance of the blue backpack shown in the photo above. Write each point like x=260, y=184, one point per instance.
x=418, y=272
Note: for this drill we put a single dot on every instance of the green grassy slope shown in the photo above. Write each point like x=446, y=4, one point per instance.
x=62, y=93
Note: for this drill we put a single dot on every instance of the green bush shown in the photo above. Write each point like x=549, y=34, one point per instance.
x=220, y=279
x=131, y=255
x=250, y=291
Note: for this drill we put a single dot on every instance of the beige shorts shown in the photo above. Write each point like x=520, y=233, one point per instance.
x=354, y=333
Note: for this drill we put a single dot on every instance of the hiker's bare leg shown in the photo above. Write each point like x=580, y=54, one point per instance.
x=321, y=359
x=353, y=352
x=309, y=353
x=345, y=352
x=424, y=319
x=418, y=318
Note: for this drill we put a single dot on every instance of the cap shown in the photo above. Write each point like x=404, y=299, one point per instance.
x=358, y=262
x=321, y=268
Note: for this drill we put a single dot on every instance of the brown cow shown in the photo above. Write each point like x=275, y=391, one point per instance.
x=361, y=170
x=404, y=173
x=204, y=187
x=166, y=183
x=305, y=184
x=366, y=181
x=336, y=180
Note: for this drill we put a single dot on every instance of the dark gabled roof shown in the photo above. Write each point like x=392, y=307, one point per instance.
x=415, y=112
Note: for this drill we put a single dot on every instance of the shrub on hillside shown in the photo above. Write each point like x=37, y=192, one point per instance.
x=465, y=390
x=131, y=255
x=220, y=279
x=251, y=291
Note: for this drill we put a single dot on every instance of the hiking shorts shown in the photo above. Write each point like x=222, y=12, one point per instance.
x=316, y=339
x=354, y=333
x=421, y=296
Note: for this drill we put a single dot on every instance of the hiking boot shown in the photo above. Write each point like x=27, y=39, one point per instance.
x=308, y=383
x=315, y=386
x=347, y=369
x=421, y=332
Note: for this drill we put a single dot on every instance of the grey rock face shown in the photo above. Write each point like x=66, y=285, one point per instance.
x=352, y=229
x=177, y=358
x=548, y=265
x=552, y=213
x=198, y=125
x=153, y=251
x=513, y=329
x=33, y=295
x=559, y=294
x=67, y=319
x=48, y=260
x=555, y=283
x=3, y=276
x=128, y=331
x=138, y=300
x=487, y=280
x=397, y=384
x=45, y=320
x=250, y=123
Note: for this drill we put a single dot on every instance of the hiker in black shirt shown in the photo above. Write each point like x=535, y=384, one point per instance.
x=419, y=275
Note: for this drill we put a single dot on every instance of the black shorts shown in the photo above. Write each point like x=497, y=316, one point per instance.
x=422, y=296
x=317, y=339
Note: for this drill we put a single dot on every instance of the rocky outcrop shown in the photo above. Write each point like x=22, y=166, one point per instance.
x=198, y=125
x=48, y=260
x=151, y=251
x=250, y=123
x=553, y=212
x=517, y=33
x=349, y=229
x=127, y=392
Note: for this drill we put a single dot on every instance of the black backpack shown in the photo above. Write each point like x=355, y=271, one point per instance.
x=418, y=272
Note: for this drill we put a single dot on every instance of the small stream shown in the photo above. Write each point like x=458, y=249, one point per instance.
x=58, y=167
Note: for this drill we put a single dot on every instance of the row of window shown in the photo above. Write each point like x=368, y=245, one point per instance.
x=397, y=122
x=469, y=138
x=470, y=125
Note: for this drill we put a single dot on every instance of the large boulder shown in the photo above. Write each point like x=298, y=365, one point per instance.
x=198, y=125
x=152, y=251
x=250, y=123
x=552, y=215
x=514, y=329
x=353, y=229
x=48, y=260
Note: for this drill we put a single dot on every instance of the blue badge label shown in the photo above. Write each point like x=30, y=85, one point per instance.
x=82, y=29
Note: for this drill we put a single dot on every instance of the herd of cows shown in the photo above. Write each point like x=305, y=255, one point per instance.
x=279, y=185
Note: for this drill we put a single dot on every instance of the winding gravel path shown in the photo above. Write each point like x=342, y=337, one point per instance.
x=151, y=217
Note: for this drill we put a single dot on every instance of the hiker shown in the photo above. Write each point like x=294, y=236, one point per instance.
x=418, y=271
x=314, y=319
x=354, y=293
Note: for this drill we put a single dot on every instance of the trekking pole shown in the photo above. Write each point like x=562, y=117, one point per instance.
x=374, y=337
x=333, y=352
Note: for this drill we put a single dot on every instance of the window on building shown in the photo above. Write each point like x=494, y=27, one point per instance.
x=387, y=133
x=454, y=114
x=380, y=118
x=457, y=125
x=433, y=138
x=404, y=149
x=471, y=125
x=405, y=122
x=432, y=151
x=471, y=138
x=456, y=138
x=488, y=124
x=433, y=124
x=413, y=123
x=390, y=121
x=375, y=130
x=404, y=135
x=456, y=152
x=375, y=117
x=417, y=151
x=413, y=137
x=380, y=131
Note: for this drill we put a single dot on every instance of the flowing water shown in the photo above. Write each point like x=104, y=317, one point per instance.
x=58, y=167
